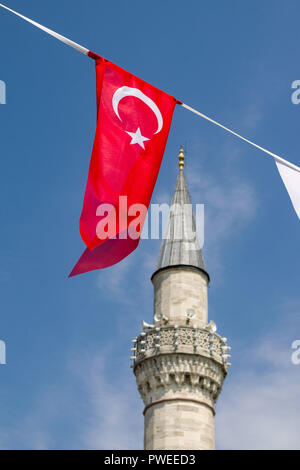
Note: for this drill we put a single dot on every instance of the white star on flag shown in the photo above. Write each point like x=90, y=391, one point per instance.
x=137, y=138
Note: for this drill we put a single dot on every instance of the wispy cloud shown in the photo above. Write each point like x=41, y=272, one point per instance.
x=259, y=406
x=98, y=403
x=113, y=417
x=128, y=283
x=112, y=281
x=33, y=431
x=252, y=116
x=230, y=204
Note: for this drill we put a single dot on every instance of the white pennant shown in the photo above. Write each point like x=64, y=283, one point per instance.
x=291, y=179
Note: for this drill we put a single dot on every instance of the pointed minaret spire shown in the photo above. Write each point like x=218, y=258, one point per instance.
x=180, y=280
x=180, y=246
x=179, y=360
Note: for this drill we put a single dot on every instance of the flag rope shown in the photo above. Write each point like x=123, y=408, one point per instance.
x=61, y=38
x=87, y=52
x=277, y=157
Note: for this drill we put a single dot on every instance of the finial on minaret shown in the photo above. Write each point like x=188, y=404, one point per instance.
x=181, y=158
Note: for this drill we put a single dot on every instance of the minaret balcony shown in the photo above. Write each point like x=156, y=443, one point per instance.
x=181, y=339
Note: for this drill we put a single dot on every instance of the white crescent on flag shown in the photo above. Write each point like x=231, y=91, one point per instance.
x=128, y=91
x=122, y=92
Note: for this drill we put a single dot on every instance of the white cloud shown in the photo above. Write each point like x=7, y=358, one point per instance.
x=251, y=116
x=98, y=402
x=33, y=431
x=112, y=281
x=259, y=407
x=230, y=204
x=128, y=284
x=113, y=408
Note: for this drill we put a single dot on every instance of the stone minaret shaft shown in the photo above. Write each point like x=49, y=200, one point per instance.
x=180, y=362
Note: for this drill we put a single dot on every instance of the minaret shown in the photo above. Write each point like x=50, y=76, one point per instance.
x=180, y=362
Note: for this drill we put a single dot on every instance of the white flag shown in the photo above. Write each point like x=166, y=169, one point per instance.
x=291, y=178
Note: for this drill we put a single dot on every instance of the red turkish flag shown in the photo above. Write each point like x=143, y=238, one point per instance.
x=133, y=123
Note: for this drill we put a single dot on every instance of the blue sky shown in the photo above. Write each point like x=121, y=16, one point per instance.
x=67, y=382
